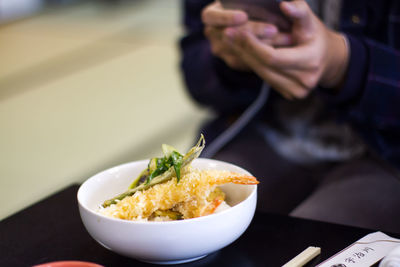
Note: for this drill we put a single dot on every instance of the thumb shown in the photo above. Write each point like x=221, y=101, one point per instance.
x=299, y=12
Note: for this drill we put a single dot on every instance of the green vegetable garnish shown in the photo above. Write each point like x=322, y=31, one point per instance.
x=160, y=170
x=163, y=164
x=177, y=163
x=157, y=166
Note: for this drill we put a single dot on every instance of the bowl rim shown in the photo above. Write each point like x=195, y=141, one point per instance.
x=97, y=214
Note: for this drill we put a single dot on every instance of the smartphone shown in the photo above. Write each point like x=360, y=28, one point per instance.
x=261, y=10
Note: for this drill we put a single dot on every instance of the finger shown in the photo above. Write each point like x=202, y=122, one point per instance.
x=215, y=15
x=299, y=12
x=302, y=73
x=279, y=40
x=291, y=57
x=260, y=29
x=221, y=49
x=213, y=33
x=309, y=79
x=286, y=85
x=280, y=58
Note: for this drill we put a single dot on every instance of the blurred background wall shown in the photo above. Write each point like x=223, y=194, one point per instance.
x=86, y=85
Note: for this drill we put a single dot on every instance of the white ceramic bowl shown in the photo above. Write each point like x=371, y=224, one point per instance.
x=164, y=242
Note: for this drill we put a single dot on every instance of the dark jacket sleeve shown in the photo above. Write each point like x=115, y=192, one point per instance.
x=208, y=80
x=370, y=96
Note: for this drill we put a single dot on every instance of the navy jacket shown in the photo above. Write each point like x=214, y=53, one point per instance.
x=369, y=99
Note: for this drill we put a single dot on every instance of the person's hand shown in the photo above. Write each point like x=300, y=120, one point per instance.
x=318, y=56
x=218, y=23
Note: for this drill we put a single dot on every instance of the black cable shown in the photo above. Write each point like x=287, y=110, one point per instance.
x=226, y=136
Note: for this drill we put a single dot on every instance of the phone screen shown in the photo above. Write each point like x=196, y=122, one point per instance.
x=261, y=10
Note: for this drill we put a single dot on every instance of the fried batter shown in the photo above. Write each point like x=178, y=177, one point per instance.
x=195, y=195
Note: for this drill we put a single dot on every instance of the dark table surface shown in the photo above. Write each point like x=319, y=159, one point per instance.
x=52, y=230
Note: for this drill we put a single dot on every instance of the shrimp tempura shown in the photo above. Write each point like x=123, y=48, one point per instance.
x=190, y=197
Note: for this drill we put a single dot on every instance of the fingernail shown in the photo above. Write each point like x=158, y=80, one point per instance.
x=290, y=7
x=270, y=30
x=240, y=17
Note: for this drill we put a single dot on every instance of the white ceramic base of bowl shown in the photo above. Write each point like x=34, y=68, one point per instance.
x=175, y=261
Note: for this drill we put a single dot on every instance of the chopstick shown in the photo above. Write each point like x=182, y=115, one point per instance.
x=304, y=257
